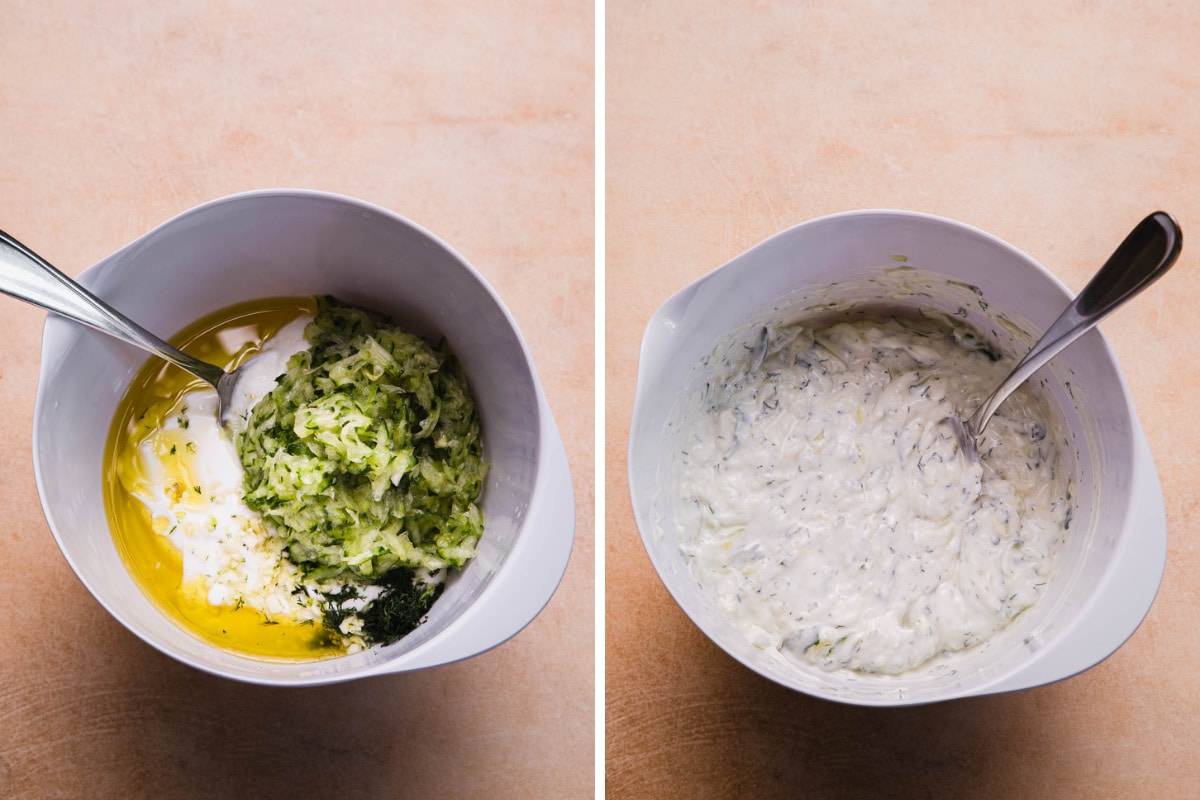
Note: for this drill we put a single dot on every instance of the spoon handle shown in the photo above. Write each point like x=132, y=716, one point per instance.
x=27, y=276
x=1146, y=254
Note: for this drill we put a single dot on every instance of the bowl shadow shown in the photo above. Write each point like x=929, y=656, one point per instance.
x=714, y=729
x=192, y=734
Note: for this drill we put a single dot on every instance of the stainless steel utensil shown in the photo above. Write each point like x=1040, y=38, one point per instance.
x=1146, y=254
x=27, y=276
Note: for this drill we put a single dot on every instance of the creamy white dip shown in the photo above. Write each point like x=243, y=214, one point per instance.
x=826, y=509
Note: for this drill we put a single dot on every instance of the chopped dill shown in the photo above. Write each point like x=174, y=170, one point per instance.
x=401, y=608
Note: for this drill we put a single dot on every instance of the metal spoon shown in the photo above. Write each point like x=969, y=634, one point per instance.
x=1146, y=254
x=27, y=276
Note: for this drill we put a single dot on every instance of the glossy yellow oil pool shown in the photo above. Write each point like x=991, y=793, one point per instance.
x=227, y=338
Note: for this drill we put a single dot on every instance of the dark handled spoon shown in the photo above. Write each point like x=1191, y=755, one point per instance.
x=1146, y=254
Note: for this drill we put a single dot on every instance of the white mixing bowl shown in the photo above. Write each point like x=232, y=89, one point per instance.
x=292, y=243
x=1111, y=567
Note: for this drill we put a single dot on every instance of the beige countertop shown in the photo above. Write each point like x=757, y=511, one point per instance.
x=1055, y=127
x=473, y=119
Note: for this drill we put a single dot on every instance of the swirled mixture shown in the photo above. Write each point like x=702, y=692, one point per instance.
x=826, y=507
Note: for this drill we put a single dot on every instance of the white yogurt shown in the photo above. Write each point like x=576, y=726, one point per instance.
x=827, y=510
x=258, y=375
x=193, y=491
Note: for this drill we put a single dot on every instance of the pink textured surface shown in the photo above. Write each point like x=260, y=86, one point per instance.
x=1054, y=126
x=473, y=119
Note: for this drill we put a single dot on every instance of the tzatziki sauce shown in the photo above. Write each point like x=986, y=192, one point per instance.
x=823, y=504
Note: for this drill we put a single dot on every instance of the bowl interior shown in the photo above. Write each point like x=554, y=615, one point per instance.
x=891, y=259
x=262, y=245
